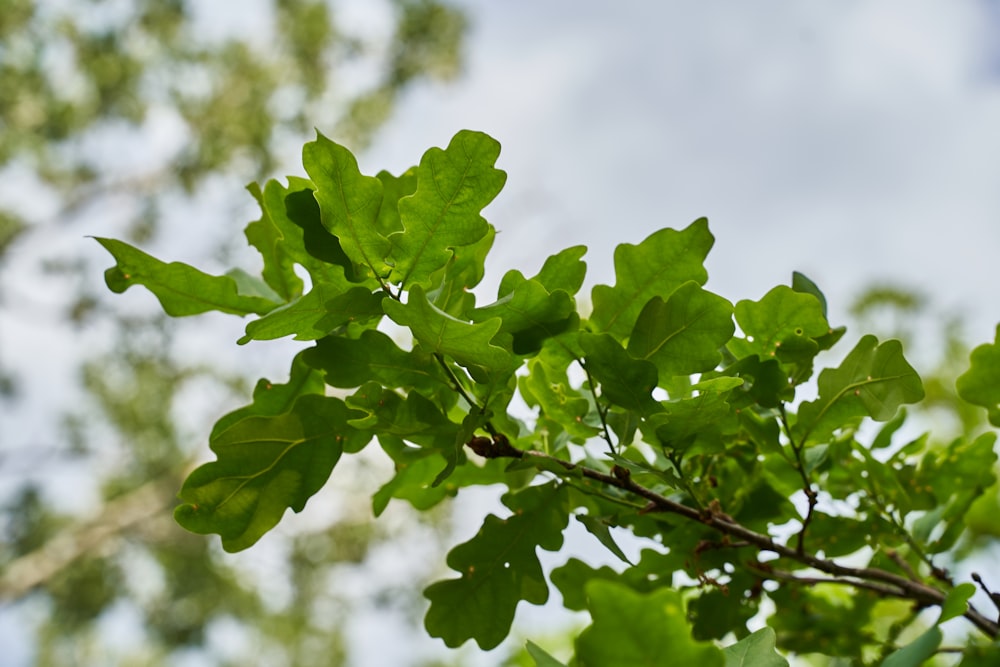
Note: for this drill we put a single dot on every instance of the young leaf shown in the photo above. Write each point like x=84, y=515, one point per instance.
x=980, y=385
x=181, y=289
x=755, y=650
x=682, y=334
x=316, y=314
x=265, y=465
x=656, y=267
x=499, y=568
x=633, y=628
x=561, y=271
x=453, y=186
x=873, y=380
x=349, y=202
x=624, y=381
x=957, y=602
x=468, y=344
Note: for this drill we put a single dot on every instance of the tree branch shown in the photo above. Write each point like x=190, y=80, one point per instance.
x=870, y=578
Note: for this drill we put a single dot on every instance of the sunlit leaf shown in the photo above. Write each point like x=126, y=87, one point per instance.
x=181, y=289
x=664, y=261
x=453, y=186
x=682, y=334
x=755, y=650
x=980, y=385
x=349, y=202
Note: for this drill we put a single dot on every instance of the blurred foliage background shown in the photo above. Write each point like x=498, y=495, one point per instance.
x=127, y=118
x=143, y=119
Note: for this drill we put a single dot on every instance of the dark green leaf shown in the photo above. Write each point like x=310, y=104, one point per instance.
x=957, y=602
x=600, y=528
x=656, y=267
x=633, y=628
x=980, y=385
x=499, y=568
x=453, y=186
x=624, y=381
x=181, y=289
x=349, y=363
x=531, y=314
x=265, y=465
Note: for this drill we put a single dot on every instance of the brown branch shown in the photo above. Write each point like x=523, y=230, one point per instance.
x=719, y=521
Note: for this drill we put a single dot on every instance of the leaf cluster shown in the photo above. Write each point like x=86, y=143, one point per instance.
x=665, y=411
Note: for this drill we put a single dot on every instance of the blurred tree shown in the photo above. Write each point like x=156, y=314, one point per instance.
x=127, y=112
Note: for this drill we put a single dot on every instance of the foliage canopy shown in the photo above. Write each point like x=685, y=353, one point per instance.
x=664, y=411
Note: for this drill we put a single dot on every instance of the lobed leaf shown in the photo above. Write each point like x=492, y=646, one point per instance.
x=530, y=314
x=682, y=335
x=874, y=380
x=317, y=314
x=181, y=289
x=453, y=186
x=784, y=324
x=631, y=628
x=980, y=385
x=265, y=465
x=467, y=343
x=499, y=568
x=349, y=202
x=755, y=650
x=624, y=381
x=664, y=261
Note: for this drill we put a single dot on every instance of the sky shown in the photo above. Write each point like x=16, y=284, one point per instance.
x=856, y=142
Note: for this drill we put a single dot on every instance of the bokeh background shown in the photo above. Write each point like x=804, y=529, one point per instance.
x=856, y=142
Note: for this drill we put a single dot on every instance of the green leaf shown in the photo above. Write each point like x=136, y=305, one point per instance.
x=349, y=202
x=265, y=465
x=980, y=385
x=633, y=628
x=181, y=289
x=271, y=399
x=541, y=658
x=682, y=334
x=499, y=568
x=557, y=400
x=310, y=243
x=656, y=267
x=957, y=602
x=531, y=314
x=624, y=381
x=600, y=528
x=783, y=324
x=562, y=271
x=317, y=314
x=682, y=423
x=755, y=650
x=874, y=380
x=468, y=344
x=917, y=652
x=453, y=186
x=394, y=188
x=802, y=283
x=349, y=363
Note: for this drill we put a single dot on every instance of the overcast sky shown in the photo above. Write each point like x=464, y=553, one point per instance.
x=853, y=141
